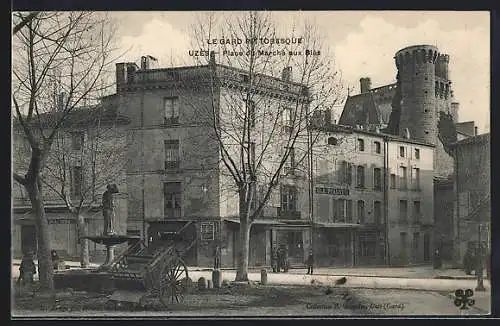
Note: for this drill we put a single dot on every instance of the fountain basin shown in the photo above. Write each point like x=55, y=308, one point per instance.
x=89, y=280
x=112, y=239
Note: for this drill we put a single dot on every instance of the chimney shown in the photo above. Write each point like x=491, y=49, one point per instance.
x=121, y=74
x=144, y=63
x=286, y=74
x=365, y=84
x=475, y=131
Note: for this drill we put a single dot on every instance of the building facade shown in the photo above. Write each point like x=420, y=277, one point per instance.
x=373, y=198
x=472, y=186
x=176, y=176
x=86, y=155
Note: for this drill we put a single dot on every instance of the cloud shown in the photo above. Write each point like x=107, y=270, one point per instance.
x=369, y=52
x=160, y=39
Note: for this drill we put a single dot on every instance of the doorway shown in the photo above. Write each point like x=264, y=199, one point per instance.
x=427, y=247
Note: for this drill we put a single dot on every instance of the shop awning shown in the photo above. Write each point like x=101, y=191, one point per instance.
x=257, y=221
x=339, y=225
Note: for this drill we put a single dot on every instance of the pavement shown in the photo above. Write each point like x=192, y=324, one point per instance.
x=392, y=272
x=441, y=283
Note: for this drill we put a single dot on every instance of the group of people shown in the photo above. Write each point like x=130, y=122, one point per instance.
x=27, y=269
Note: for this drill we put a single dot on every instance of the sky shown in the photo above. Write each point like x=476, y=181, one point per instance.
x=363, y=44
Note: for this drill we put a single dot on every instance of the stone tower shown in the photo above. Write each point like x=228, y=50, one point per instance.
x=425, y=91
x=417, y=70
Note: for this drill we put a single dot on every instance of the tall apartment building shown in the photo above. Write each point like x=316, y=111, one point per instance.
x=373, y=199
x=175, y=176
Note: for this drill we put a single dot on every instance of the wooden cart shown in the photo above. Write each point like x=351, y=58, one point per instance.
x=143, y=272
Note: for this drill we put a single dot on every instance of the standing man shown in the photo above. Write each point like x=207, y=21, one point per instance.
x=310, y=262
x=217, y=255
x=274, y=259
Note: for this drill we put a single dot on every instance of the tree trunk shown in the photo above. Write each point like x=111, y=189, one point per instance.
x=242, y=271
x=45, y=268
x=84, y=243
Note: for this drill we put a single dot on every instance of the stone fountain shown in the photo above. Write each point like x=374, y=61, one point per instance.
x=100, y=280
x=110, y=238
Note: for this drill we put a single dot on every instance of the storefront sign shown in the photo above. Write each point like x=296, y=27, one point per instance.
x=61, y=221
x=207, y=231
x=332, y=191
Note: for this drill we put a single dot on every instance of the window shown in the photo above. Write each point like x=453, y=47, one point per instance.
x=377, y=208
x=332, y=141
x=76, y=181
x=349, y=211
x=251, y=113
x=416, y=212
x=393, y=180
x=377, y=147
x=403, y=211
x=416, y=245
x=287, y=120
x=403, y=183
x=172, y=157
x=377, y=179
x=361, y=145
x=341, y=210
x=289, y=167
x=171, y=107
x=173, y=199
x=361, y=211
x=335, y=209
x=288, y=198
x=77, y=139
x=404, y=241
x=401, y=151
x=416, y=178
x=360, y=174
x=417, y=154
x=349, y=173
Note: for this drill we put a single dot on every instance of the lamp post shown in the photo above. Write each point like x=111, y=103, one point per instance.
x=479, y=267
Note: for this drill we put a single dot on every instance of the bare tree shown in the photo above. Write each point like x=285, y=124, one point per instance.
x=87, y=155
x=74, y=49
x=264, y=141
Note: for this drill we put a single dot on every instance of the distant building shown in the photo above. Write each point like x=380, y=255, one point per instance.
x=411, y=108
x=472, y=219
x=86, y=155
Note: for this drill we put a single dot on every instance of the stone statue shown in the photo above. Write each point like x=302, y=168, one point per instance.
x=108, y=209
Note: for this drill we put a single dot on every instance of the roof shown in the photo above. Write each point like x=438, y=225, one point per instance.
x=373, y=107
x=82, y=116
x=465, y=128
x=483, y=138
x=351, y=129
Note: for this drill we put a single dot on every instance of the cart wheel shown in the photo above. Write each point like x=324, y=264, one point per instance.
x=172, y=287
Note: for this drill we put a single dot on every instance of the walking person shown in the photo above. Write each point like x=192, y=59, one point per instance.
x=310, y=262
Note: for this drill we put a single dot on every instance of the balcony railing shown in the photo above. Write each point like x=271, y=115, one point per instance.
x=172, y=165
x=289, y=215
